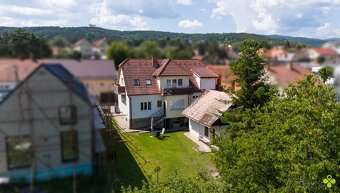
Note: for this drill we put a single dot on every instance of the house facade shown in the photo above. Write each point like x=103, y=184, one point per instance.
x=203, y=115
x=99, y=48
x=47, y=127
x=84, y=47
x=159, y=90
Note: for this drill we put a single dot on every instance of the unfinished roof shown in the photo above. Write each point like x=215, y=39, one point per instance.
x=206, y=109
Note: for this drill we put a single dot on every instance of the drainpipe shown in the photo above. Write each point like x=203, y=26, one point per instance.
x=130, y=112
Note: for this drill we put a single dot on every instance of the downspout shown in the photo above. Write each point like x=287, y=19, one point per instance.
x=130, y=112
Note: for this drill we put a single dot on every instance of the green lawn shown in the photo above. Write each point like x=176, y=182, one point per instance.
x=174, y=152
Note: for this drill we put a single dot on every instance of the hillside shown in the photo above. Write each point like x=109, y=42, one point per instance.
x=92, y=33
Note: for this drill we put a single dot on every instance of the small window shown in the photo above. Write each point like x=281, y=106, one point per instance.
x=149, y=105
x=206, y=131
x=68, y=115
x=141, y=106
x=147, y=82
x=69, y=146
x=159, y=103
x=174, y=82
x=18, y=151
x=180, y=82
x=168, y=82
x=136, y=82
x=145, y=106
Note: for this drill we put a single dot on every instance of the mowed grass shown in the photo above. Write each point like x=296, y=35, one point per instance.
x=174, y=152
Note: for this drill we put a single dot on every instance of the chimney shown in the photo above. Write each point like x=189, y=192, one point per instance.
x=290, y=65
x=154, y=62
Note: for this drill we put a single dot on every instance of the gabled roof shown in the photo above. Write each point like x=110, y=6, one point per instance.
x=81, y=42
x=207, y=108
x=62, y=74
x=147, y=69
x=170, y=67
x=23, y=68
x=325, y=51
x=204, y=72
x=99, y=42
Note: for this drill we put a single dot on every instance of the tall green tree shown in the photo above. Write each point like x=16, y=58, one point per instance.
x=118, y=52
x=293, y=146
x=148, y=49
x=254, y=89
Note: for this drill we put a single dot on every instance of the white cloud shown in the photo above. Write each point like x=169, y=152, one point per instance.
x=189, y=24
x=184, y=2
x=327, y=31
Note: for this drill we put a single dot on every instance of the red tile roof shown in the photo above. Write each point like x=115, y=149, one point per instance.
x=284, y=74
x=325, y=51
x=81, y=42
x=204, y=72
x=144, y=69
x=24, y=68
x=98, y=43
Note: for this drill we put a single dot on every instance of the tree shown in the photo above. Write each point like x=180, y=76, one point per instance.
x=26, y=45
x=118, y=52
x=148, y=49
x=251, y=79
x=293, y=146
x=325, y=73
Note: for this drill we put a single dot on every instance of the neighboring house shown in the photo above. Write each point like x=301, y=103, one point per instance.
x=47, y=125
x=97, y=75
x=277, y=55
x=160, y=89
x=329, y=55
x=203, y=115
x=334, y=45
x=84, y=47
x=225, y=76
x=99, y=48
x=12, y=72
x=282, y=75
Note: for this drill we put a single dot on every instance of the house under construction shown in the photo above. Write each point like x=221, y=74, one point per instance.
x=48, y=127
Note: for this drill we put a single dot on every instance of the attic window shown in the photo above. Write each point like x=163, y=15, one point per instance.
x=147, y=82
x=136, y=82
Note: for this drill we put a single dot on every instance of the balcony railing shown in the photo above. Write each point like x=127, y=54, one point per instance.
x=176, y=91
x=118, y=89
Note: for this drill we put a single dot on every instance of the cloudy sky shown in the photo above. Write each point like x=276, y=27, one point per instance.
x=309, y=18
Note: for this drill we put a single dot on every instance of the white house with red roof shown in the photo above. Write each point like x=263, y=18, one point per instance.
x=99, y=48
x=330, y=56
x=159, y=90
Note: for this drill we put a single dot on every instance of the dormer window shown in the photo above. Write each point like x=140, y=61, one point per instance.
x=136, y=82
x=147, y=82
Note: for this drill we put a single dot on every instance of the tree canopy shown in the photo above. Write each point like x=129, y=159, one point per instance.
x=293, y=146
x=118, y=52
x=325, y=73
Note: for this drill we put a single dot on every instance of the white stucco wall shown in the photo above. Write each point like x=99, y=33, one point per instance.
x=197, y=129
x=173, y=113
x=136, y=101
x=208, y=83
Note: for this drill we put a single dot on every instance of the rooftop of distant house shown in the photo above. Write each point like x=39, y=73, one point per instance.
x=325, y=51
x=285, y=74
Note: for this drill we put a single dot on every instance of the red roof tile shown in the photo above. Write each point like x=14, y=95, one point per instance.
x=325, y=51
x=204, y=72
x=284, y=74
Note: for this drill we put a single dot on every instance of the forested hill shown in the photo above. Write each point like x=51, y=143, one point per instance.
x=75, y=33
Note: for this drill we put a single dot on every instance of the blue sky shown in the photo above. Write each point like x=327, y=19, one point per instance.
x=308, y=18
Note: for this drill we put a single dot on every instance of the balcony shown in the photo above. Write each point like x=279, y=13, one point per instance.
x=118, y=89
x=176, y=91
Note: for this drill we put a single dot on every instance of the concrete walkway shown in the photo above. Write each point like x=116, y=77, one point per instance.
x=121, y=121
x=202, y=147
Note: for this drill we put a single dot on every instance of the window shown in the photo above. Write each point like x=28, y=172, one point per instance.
x=149, y=105
x=68, y=115
x=69, y=146
x=136, y=82
x=159, y=103
x=174, y=83
x=18, y=151
x=145, y=106
x=177, y=104
x=195, y=97
x=180, y=82
x=168, y=82
x=206, y=131
x=102, y=84
x=124, y=99
x=147, y=82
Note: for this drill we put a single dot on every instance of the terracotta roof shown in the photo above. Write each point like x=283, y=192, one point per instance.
x=170, y=67
x=99, y=42
x=81, y=42
x=144, y=69
x=225, y=73
x=284, y=74
x=204, y=72
x=206, y=109
x=139, y=69
x=325, y=51
x=24, y=68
